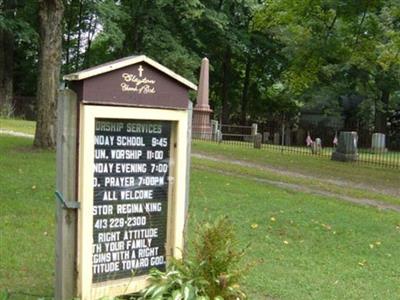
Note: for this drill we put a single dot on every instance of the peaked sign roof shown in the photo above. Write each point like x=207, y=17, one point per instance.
x=124, y=62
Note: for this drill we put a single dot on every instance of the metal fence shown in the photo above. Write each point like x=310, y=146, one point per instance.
x=304, y=143
x=228, y=134
x=236, y=134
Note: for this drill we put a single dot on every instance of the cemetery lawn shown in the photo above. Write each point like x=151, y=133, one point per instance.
x=302, y=246
x=27, y=214
x=23, y=126
x=316, y=185
x=373, y=177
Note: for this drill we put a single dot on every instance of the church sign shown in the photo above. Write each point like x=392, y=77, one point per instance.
x=132, y=173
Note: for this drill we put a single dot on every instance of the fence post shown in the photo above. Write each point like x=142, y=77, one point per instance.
x=257, y=141
x=65, y=277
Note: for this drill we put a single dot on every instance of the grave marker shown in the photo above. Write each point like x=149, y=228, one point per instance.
x=276, y=138
x=378, y=143
x=347, y=147
x=316, y=146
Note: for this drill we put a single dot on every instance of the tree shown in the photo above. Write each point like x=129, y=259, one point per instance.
x=18, y=41
x=6, y=58
x=50, y=16
x=178, y=34
x=349, y=48
x=6, y=72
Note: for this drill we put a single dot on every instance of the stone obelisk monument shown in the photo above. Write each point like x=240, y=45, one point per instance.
x=201, y=127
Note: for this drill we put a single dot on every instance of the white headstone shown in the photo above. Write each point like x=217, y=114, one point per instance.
x=316, y=146
x=378, y=142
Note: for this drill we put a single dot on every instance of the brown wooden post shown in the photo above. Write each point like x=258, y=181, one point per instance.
x=65, y=278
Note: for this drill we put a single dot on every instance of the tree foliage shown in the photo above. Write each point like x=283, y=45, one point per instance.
x=343, y=49
x=269, y=59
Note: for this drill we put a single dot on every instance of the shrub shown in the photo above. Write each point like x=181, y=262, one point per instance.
x=212, y=273
x=7, y=110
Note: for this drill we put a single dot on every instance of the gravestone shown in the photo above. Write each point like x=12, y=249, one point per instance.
x=347, y=147
x=266, y=136
x=257, y=141
x=219, y=136
x=254, y=129
x=288, y=137
x=277, y=138
x=214, y=130
x=133, y=149
x=201, y=113
x=316, y=146
x=378, y=144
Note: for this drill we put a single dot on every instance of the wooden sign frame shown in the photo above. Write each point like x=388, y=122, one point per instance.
x=176, y=193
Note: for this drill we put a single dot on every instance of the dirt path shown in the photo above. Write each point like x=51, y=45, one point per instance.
x=263, y=167
x=285, y=185
x=16, y=133
x=302, y=188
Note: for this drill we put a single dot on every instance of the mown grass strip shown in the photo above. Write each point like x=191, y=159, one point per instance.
x=323, y=167
x=27, y=179
x=317, y=185
x=16, y=125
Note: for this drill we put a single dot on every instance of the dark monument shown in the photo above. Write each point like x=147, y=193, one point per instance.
x=347, y=147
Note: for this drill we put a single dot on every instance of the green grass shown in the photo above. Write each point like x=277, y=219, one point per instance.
x=315, y=184
x=18, y=125
x=327, y=254
x=371, y=175
x=27, y=213
x=365, y=155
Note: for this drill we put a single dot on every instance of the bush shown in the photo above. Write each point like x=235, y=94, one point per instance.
x=6, y=110
x=213, y=273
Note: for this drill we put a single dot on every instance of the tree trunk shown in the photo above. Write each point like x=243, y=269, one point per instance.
x=380, y=116
x=245, y=92
x=78, y=43
x=50, y=18
x=225, y=87
x=68, y=17
x=6, y=73
x=90, y=33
